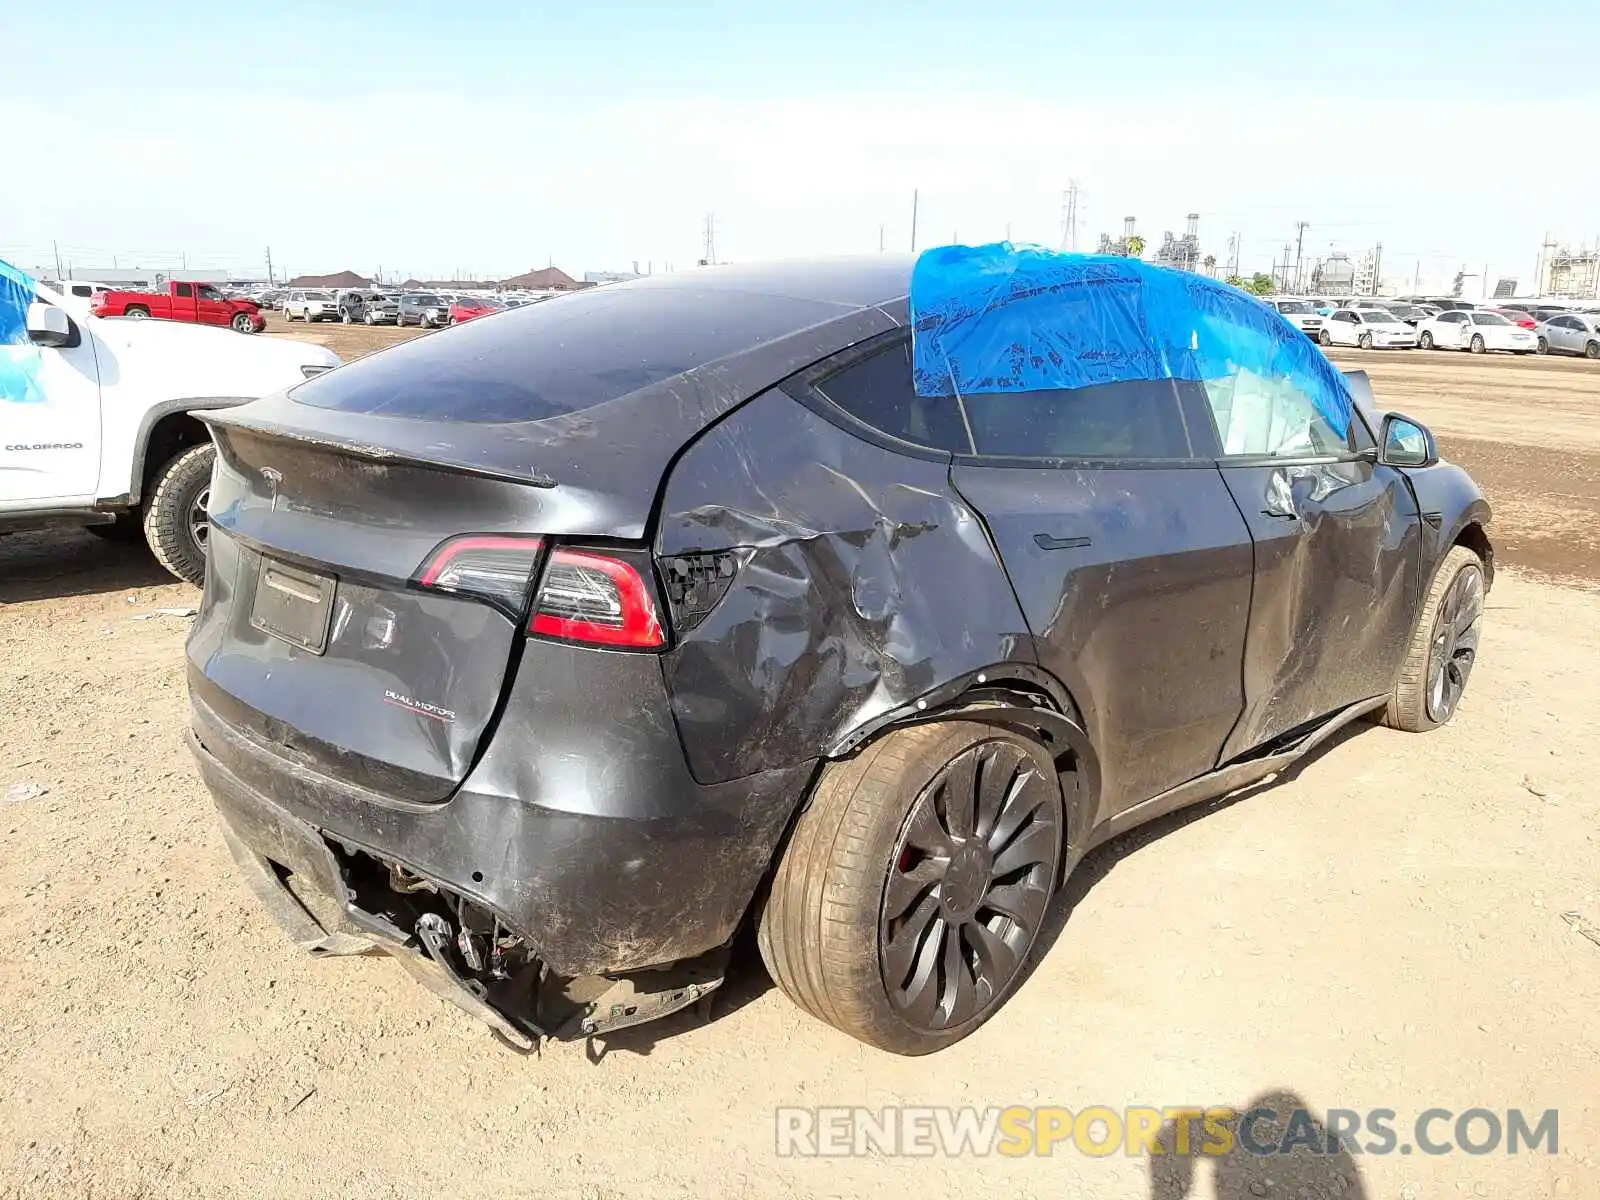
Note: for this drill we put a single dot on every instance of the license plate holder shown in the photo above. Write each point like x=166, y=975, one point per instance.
x=293, y=605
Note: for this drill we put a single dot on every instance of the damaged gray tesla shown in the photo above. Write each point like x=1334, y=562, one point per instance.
x=854, y=601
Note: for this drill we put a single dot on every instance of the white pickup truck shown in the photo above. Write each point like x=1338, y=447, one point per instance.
x=97, y=424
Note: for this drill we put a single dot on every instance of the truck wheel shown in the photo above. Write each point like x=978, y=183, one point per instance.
x=915, y=883
x=175, y=522
x=137, y=314
x=243, y=324
x=345, y=318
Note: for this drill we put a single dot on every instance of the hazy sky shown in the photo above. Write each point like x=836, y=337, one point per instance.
x=490, y=137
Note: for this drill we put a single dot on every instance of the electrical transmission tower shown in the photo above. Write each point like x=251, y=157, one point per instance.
x=1069, y=219
x=711, y=241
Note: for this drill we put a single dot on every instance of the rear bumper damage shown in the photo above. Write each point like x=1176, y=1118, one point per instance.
x=539, y=921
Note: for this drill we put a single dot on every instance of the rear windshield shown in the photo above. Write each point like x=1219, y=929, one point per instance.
x=562, y=356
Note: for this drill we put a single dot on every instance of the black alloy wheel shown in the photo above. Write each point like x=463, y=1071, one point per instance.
x=969, y=883
x=1454, y=647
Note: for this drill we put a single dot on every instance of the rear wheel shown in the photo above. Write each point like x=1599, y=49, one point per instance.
x=138, y=314
x=1365, y=341
x=1476, y=346
x=1592, y=350
x=1443, y=648
x=175, y=522
x=917, y=879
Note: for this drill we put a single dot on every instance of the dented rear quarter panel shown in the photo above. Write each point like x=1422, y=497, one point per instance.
x=866, y=583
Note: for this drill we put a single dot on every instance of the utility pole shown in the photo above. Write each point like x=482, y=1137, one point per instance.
x=1233, y=252
x=269, y=266
x=711, y=240
x=1299, y=243
x=880, y=239
x=56, y=250
x=1069, y=221
x=183, y=258
x=1377, y=268
x=913, y=220
x=1286, y=249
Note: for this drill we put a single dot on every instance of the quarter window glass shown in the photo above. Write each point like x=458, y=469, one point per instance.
x=185, y=289
x=1269, y=416
x=878, y=392
x=1134, y=419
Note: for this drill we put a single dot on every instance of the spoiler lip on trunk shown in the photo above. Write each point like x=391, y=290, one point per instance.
x=372, y=452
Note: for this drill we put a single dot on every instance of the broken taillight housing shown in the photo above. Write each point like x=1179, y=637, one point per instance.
x=582, y=596
x=585, y=596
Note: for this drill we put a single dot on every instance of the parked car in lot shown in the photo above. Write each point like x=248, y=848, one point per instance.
x=1302, y=314
x=1478, y=331
x=194, y=303
x=422, y=308
x=310, y=305
x=539, y=673
x=468, y=307
x=368, y=308
x=1411, y=314
x=1569, y=333
x=1518, y=317
x=1368, y=328
x=100, y=423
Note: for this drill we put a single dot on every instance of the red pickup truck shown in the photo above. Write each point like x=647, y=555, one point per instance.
x=200, y=303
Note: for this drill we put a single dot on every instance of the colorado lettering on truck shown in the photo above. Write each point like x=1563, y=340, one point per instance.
x=100, y=416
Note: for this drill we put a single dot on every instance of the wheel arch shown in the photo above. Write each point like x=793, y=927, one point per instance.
x=1010, y=695
x=166, y=429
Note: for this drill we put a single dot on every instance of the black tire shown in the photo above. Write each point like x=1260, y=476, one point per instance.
x=1419, y=702
x=1325, y=338
x=1543, y=347
x=242, y=323
x=1426, y=340
x=1592, y=350
x=1476, y=346
x=1365, y=341
x=826, y=931
x=173, y=523
x=137, y=313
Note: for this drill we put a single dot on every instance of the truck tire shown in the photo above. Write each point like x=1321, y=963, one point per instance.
x=243, y=324
x=174, y=516
x=136, y=313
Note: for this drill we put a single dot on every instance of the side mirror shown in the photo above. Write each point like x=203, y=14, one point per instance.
x=49, y=326
x=1406, y=443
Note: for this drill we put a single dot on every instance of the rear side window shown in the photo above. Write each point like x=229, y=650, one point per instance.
x=562, y=356
x=1130, y=419
x=877, y=391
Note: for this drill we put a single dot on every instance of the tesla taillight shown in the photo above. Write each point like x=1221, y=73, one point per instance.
x=493, y=567
x=589, y=597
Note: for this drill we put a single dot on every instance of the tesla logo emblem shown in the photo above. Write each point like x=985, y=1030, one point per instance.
x=273, y=477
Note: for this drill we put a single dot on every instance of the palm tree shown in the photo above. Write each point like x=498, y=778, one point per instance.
x=1210, y=264
x=1135, y=246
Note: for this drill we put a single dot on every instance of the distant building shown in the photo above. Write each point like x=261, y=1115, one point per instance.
x=546, y=279
x=138, y=277
x=610, y=276
x=1184, y=252
x=1122, y=247
x=339, y=279
x=1566, y=273
x=1335, y=275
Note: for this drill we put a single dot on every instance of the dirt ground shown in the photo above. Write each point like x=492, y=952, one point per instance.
x=1383, y=926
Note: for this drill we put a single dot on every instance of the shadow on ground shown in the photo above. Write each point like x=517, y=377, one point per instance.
x=52, y=563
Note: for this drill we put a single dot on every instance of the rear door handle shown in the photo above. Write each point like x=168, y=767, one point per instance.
x=1045, y=542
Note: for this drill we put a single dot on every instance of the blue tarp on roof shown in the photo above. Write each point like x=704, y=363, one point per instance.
x=19, y=357
x=1004, y=318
